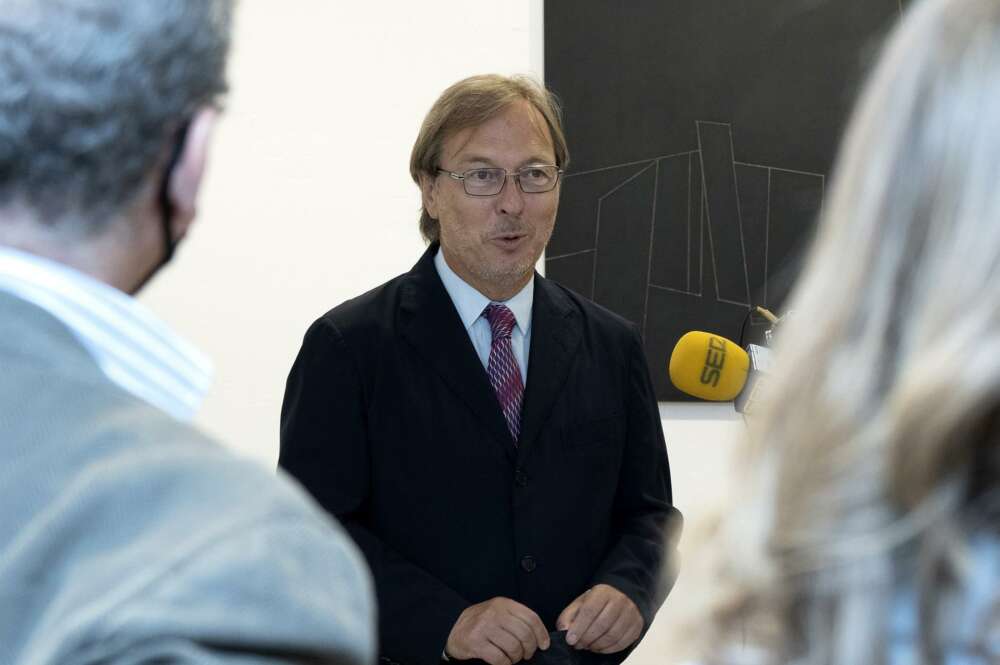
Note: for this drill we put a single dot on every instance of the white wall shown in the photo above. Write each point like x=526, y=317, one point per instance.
x=309, y=201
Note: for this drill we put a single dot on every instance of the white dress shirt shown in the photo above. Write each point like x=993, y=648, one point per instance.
x=132, y=347
x=470, y=304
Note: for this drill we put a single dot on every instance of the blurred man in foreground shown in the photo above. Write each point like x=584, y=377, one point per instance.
x=126, y=536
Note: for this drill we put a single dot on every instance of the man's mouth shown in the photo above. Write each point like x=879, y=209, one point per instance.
x=508, y=238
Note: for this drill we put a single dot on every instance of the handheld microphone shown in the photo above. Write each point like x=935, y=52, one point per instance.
x=714, y=368
x=708, y=366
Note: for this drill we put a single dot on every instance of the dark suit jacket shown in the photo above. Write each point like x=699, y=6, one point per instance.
x=390, y=421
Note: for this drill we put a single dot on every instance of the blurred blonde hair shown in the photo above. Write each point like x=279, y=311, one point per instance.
x=876, y=462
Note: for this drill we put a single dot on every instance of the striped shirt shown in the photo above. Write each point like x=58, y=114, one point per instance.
x=133, y=348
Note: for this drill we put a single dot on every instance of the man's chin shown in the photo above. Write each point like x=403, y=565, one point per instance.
x=508, y=276
x=516, y=261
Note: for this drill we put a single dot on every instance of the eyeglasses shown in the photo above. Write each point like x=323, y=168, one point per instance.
x=490, y=182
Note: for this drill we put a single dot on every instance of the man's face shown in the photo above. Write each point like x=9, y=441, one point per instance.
x=493, y=242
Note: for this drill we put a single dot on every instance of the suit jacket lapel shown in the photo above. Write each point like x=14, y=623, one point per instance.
x=555, y=337
x=430, y=323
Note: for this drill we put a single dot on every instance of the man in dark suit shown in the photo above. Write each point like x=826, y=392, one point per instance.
x=489, y=438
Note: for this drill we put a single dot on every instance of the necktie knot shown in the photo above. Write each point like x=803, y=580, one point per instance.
x=501, y=320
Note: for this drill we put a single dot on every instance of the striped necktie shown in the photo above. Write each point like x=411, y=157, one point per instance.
x=503, y=370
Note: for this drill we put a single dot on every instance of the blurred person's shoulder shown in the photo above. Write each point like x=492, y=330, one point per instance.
x=124, y=526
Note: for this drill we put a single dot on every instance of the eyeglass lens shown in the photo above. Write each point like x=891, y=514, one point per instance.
x=531, y=179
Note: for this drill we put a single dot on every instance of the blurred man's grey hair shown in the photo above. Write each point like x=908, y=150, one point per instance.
x=76, y=143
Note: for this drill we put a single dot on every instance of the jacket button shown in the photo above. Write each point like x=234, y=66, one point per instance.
x=521, y=478
x=528, y=564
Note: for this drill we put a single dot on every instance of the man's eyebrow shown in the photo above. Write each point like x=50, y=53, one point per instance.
x=470, y=159
x=538, y=160
x=534, y=159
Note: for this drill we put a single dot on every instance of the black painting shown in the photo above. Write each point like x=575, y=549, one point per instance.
x=702, y=134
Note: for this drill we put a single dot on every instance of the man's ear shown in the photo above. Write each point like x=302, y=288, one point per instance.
x=428, y=194
x=189, y=171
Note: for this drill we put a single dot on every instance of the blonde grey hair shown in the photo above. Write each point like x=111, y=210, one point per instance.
x=877, y=459
x=469, y=103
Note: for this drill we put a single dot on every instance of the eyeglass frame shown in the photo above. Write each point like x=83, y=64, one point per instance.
x=516, y=175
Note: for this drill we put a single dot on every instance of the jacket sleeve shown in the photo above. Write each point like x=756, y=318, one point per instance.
x=324, y=444
x=641, y=562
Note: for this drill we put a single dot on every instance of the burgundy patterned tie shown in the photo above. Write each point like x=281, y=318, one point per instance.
x=503, y=370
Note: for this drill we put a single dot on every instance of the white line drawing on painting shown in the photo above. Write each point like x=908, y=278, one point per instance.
x=698, y=221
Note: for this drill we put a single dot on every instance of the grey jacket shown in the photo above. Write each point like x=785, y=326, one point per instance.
x=128, y=537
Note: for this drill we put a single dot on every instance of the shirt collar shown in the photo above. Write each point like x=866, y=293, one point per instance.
x=470, y=303
x=132, y=347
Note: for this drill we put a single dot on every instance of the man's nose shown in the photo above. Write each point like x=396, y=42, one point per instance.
x=511, y=198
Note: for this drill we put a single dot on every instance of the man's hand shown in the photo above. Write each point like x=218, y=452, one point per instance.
x=602, y=619
x=500, y=631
